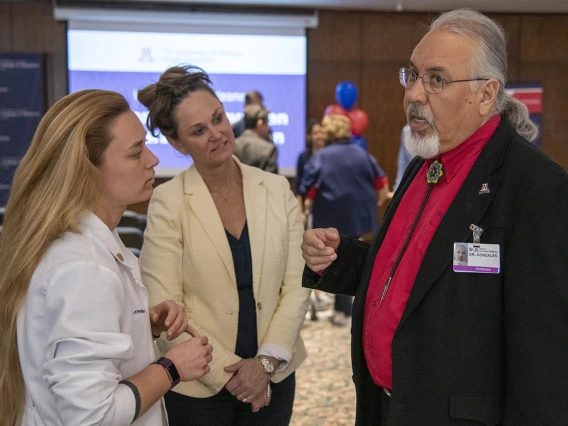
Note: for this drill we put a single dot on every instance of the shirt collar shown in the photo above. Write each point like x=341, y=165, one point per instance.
x=109, y=238
x=453, y=160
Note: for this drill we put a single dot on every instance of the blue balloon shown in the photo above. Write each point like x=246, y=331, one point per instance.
x=360, y=141
x=346, y=94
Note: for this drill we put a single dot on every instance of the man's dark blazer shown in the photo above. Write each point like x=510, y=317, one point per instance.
x=475, y=349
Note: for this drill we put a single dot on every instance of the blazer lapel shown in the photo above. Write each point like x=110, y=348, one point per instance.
x=256, y=210
x=203, y=206
x=468, y=208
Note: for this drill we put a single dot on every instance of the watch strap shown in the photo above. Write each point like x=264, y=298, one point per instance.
x=170, y=368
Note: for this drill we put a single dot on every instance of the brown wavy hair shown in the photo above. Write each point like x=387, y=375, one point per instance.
x=163, y=98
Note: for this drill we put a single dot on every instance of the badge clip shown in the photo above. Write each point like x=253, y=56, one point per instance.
x=477, y=231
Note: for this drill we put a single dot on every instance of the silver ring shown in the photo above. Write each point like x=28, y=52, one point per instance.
x=245, y=400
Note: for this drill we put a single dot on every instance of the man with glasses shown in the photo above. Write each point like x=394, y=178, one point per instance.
x=478, y=344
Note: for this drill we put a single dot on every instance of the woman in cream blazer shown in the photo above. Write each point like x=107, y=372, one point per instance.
x=196, y=221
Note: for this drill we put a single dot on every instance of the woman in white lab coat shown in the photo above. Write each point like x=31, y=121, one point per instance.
x=76, y=346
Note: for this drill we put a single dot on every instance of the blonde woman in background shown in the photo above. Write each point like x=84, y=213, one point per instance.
x=76, y=346
x=223, y=239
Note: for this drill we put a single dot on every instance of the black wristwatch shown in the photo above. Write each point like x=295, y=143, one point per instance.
x=170, y=368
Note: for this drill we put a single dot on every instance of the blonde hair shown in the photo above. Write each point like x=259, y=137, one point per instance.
x=53, y=185
x=336, y=127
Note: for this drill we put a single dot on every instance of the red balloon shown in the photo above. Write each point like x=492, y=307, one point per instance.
x=335, y=109
x=359, y=121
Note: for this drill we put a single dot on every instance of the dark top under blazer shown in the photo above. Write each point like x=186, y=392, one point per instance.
x=475, y=349
x=247, y=338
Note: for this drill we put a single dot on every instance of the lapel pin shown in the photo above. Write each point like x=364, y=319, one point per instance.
x=484, y=188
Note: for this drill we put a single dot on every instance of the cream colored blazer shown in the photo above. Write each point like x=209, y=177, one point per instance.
x=186, y=257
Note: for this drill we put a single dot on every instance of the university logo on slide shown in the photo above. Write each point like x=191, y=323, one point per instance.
x=146, y=55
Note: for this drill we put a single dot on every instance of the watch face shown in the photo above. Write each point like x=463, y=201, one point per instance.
x=170, y=368
x=268, y=366
x=174, y=373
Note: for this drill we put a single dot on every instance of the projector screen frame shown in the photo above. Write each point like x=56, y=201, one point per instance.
x=198, y=23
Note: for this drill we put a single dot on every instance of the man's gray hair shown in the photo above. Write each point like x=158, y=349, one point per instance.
x=489, y=61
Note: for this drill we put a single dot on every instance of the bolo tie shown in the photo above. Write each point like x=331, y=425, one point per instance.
x=433, y=175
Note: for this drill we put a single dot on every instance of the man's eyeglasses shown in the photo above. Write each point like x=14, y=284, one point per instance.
x=432, y=82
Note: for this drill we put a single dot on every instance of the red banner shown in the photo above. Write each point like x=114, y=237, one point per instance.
x=530, y=96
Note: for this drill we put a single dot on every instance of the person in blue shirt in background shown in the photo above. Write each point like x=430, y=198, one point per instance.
x=346, y=185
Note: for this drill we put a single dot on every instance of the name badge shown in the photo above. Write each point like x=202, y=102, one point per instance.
x=477, y=258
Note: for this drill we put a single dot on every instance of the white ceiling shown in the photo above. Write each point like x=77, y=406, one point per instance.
x=526, y=6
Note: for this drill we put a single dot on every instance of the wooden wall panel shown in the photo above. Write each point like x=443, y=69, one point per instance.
x=388, y=42
x=337, y=38
x=322, y=77
x=35, y=30
x=512, y=26
x=543, y=58
x=555, y=106
x=5, y=27
x=544, y=38
x=392, y=37
x=382, y=101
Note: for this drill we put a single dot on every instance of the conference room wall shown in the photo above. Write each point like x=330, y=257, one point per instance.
x=368, y=48
x=365, y=47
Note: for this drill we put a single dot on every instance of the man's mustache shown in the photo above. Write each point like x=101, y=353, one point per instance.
x=417, y=110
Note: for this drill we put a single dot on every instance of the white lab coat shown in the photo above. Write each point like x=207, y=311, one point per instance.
x=85, y=326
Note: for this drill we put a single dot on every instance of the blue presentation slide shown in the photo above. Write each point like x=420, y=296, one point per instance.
x=274, y=65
